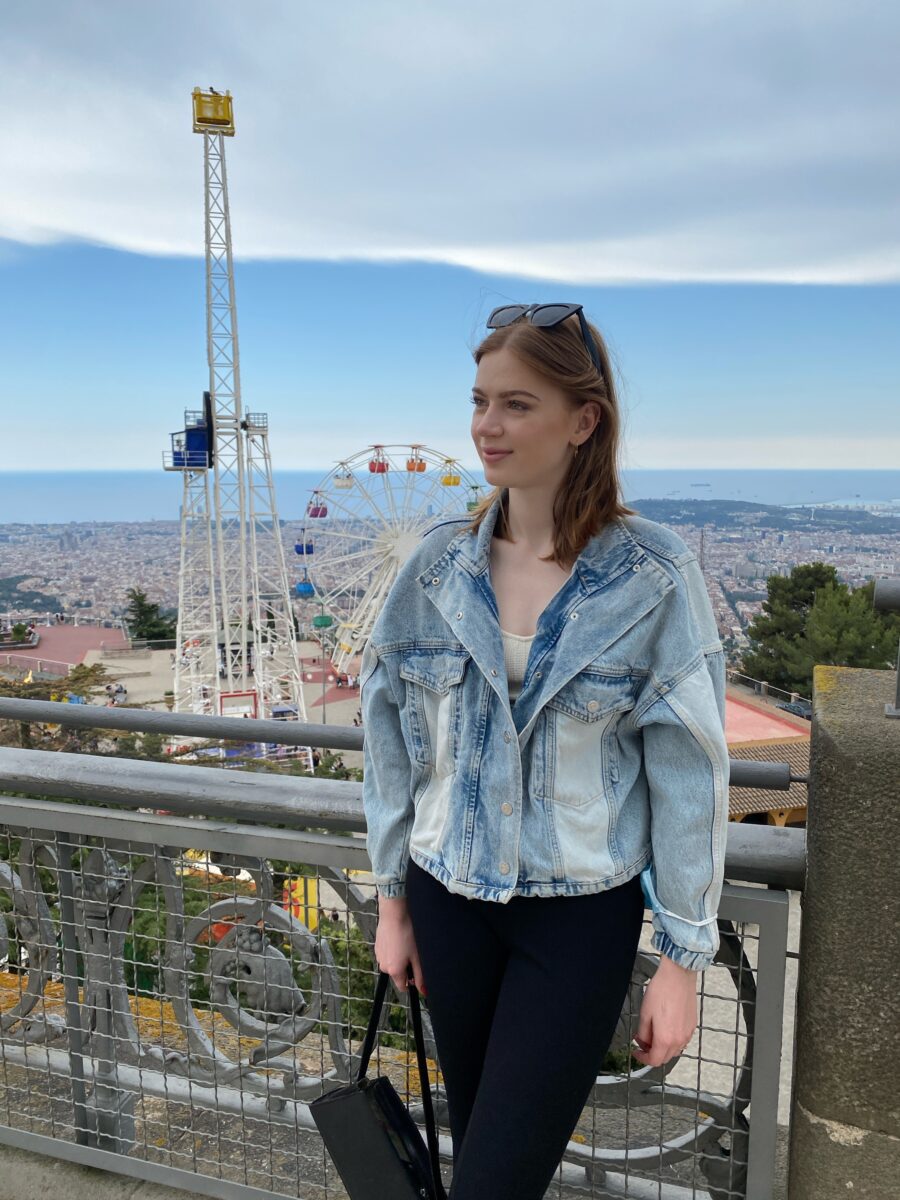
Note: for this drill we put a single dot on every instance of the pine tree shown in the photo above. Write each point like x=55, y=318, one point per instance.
x=811, y=617
x=144, y=618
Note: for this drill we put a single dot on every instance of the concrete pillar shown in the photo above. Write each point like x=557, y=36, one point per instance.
x=845, y=1117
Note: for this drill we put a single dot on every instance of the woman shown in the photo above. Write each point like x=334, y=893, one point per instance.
x=543, y=700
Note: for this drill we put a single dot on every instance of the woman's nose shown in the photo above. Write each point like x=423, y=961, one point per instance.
x=488, y=423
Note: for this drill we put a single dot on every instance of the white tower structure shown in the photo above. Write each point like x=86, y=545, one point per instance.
x=237, y=648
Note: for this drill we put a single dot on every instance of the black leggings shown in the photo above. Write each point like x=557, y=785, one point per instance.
x=524, y=998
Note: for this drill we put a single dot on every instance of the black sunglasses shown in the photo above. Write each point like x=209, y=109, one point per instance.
x=546, y=316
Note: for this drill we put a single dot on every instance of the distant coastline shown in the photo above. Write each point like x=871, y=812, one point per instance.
x=54, y=497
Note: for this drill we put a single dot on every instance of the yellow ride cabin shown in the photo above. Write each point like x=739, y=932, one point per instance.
x=213, y=112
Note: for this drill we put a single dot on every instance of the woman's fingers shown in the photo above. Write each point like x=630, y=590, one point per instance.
x=417, y=973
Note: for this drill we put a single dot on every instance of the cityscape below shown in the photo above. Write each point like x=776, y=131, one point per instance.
x=84, y=567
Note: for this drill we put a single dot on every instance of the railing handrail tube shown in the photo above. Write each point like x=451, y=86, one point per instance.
x=771, y=776
x=146, y=720
x=295, y=801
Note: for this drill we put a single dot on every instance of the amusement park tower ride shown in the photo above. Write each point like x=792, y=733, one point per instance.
x=237, y=648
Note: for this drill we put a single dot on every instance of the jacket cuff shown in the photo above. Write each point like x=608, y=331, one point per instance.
x=694, y=960
x=392, y=891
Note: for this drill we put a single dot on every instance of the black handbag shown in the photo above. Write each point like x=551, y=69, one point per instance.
x=373, y=1141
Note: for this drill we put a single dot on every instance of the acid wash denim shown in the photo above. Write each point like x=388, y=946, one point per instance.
x=611, y=762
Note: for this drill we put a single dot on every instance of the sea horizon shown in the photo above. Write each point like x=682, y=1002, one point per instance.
x=64, y=497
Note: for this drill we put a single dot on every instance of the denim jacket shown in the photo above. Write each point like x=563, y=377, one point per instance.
x=612, y=761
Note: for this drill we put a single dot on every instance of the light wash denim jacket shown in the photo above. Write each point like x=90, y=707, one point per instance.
x=611, y=762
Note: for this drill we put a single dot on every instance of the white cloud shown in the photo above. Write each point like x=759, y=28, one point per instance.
x=591, y=143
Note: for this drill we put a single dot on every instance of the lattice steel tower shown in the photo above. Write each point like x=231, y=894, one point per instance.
x=237, y=649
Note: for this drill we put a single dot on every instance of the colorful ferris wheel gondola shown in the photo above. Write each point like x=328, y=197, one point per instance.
x=304, y=587
x=317, y=506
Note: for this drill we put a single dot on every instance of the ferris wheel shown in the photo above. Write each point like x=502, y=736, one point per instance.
x=362, y=523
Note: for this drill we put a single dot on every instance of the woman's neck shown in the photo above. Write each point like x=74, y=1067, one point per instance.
x=529, y=519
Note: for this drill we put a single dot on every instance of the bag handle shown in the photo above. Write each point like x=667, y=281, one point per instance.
x=366, y=1054
x=369, y=1042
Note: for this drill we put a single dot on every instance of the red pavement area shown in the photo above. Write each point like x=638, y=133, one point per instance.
x=747, y=723
x=312, y=680
x=70, y=643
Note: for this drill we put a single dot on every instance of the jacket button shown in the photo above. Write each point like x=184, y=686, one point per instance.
x=538, y=674
x=574, y=616
x=493, y=670
x=593, y=705
x=506, y=807
x=437, y=579
x=636, y=567
x=459, y=616
x=507, y=736
x=504, y=868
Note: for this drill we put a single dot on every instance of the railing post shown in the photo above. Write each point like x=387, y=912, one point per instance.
x=74, y=1023
x=110, y=1109
x=845, y=1123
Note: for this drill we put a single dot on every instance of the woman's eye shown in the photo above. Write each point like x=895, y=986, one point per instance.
x=477, y=401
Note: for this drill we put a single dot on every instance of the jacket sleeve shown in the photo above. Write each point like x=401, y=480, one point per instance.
x=387, y=774
x=686, y=762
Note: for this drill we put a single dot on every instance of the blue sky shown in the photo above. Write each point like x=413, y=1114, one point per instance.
x=720, y=199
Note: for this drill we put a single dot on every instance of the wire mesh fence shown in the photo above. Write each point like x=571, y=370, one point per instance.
x=176, y=991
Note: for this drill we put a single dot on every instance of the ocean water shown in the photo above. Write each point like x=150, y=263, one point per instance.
x=62, y=496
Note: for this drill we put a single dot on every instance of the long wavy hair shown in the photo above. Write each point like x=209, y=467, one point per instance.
x=589, y=495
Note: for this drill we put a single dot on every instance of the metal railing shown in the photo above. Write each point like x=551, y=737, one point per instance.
x=179, y=987
x=762, y=688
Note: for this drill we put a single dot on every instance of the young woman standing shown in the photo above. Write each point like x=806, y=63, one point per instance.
x=543, y=700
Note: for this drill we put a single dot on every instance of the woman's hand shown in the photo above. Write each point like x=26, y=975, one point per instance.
x=395, y=945
x=668, y=1014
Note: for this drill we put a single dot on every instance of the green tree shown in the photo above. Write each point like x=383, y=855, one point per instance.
x=845, y=630
x=775, y=633
x=145, y=620
x=811, y=617
x=84, y=682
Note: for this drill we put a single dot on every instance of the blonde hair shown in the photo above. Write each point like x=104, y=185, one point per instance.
x=589, y=495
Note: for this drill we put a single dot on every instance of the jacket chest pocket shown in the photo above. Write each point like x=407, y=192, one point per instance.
x=581, y=728
x=434, y=680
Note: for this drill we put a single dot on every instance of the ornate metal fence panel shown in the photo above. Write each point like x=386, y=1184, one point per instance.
x=174, y=992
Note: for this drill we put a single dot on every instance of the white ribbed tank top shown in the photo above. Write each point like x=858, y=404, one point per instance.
x=516, y=648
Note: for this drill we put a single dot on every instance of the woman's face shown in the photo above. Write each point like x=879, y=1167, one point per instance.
x=516, y=410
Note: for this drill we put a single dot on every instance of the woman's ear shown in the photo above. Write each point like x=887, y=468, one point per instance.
x=589, y=417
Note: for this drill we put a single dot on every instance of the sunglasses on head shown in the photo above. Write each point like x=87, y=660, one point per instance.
x=546, y=316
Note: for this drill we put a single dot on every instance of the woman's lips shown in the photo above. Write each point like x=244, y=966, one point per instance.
x=496, y=454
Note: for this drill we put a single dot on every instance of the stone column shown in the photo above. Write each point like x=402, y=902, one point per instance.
x=845, y=1115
